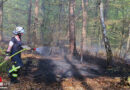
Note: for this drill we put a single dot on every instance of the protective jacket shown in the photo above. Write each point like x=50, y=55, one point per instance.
x=15, y=48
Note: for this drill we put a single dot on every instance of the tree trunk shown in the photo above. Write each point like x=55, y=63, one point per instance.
x=29, y=23
x=128, y=44
x=35, y=33
x=106, y=9
x=122, y=31
x=60, y=14
x=60, y=18
x=42, y=24
x=72, y=37
x=83, y=36
x=106, y=41
x=1, y=20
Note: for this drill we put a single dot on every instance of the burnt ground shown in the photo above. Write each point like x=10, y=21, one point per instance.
x=65, y=73
x=62, y=72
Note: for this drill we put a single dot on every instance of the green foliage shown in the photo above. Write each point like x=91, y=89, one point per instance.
x=129, y=80
x=4, y=67
x=53, y=17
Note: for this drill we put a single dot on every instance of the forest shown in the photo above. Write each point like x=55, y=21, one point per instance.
x=79, y=44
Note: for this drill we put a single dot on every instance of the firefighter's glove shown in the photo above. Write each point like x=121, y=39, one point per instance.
x=7, y=55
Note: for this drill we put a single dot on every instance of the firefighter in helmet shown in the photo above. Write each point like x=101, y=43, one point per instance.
x=14, y=46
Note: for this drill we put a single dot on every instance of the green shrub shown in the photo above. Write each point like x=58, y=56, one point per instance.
x=5, y=66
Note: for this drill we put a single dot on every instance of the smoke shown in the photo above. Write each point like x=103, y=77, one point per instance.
x=43, y=51
x=47, y=51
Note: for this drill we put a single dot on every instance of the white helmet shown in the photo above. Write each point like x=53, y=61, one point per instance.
x=18, y=30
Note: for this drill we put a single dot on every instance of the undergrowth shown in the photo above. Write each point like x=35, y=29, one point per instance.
x=5, y=66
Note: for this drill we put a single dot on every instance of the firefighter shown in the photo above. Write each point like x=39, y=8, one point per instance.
x=14, y=46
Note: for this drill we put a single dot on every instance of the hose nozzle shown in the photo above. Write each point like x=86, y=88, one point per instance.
x=34, y=49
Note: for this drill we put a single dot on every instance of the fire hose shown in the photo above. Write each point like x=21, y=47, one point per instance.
x=24, y=49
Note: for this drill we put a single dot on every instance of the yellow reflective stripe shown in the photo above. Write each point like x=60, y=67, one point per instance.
x=14, y=69
x=15, y=75
x=18, y=67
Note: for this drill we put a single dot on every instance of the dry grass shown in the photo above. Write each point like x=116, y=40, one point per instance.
x=100, y=83
x=24, y=56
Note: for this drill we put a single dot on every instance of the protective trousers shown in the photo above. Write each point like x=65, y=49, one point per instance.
x=14, y=71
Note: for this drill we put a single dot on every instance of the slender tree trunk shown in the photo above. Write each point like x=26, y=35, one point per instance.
x=72, y=37
x=29, y=23
x=1, y=20
x=122, y=31
x=106, y=41
x=83, y=36
x=106, y=9
x=60, y=14
x=128, y=44
x=84, y=24
x=35, y=32
x=60, y=19
x=42, y=24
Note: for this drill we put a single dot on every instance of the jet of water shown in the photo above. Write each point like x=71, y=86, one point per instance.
x=43, y=50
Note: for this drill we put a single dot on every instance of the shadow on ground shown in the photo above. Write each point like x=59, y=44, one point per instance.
x=50, y=71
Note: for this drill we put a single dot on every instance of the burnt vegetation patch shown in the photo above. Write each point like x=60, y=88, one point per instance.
x=49, y=70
